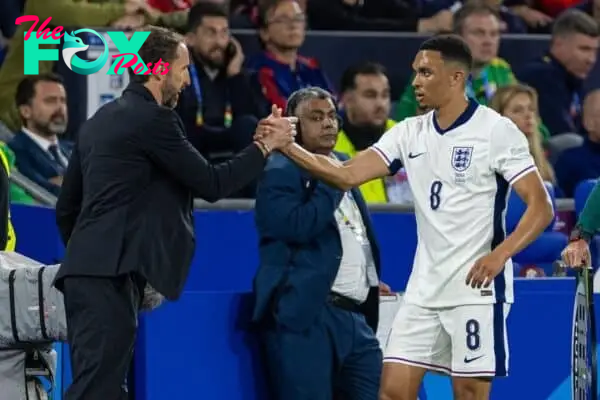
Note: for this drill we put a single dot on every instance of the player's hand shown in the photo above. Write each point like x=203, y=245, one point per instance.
x=485, y=270
x=577, y=254
x=384, y=289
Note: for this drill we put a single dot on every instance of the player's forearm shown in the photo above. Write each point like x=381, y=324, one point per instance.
x=589, y=219
x=323, y=167
x=537, y=217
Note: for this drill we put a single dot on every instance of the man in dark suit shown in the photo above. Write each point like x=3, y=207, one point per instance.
x=40, y=153
x=316, y=290
x=125, y=213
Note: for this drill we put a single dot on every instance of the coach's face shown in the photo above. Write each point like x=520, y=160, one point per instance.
x=434, y=79
x=177, y=78
x=319, y=125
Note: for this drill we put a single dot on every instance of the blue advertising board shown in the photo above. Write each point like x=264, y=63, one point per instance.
x=201, y=347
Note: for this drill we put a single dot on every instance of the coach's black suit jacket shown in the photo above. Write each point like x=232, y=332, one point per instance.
x=126, y=201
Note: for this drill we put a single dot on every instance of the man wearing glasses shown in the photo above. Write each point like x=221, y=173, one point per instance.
x=279, y=68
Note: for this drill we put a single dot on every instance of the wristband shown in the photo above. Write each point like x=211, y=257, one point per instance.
x=263, y=146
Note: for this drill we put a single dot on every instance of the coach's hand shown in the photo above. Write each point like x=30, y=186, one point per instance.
x=485, y=270
x=275, y=131
x=577, y=254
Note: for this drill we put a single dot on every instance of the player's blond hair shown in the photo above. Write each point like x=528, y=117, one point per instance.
x=502, y=98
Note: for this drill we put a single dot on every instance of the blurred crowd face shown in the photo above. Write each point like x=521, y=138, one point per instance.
x=209, y=41
x=319, y=122
x=177, y=78
x=591, y=115
x=46, y=114
x=482, y=34
x=369, y=102
x=285, y=26
x=577, y=53
x=522, y=111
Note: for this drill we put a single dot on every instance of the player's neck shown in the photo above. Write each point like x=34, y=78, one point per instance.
x=449, y=113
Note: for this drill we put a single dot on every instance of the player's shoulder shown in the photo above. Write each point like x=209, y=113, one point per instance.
x=415, y=123
x=489, y=119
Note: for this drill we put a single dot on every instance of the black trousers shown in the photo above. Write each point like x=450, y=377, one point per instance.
x=102, y=321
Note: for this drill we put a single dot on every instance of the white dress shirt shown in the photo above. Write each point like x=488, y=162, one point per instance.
x=357, y=271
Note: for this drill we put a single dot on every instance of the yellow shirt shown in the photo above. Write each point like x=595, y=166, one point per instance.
x=373, y=191
x=12, y=239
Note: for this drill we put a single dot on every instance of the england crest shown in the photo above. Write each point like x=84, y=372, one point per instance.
x=461, y=158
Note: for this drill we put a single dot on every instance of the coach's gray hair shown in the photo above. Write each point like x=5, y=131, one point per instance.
x=302, y=95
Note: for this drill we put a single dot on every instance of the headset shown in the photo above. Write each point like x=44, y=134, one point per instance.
x=301, y=95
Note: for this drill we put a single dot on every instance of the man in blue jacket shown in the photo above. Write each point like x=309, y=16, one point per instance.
x=316, y=290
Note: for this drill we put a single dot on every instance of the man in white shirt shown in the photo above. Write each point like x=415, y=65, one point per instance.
x=40, y=153
x=317, y=286
x=460, y=159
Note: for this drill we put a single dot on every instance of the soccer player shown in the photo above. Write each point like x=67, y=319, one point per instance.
x=461, y=158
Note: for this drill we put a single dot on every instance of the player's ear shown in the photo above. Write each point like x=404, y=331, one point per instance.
x=458, y=77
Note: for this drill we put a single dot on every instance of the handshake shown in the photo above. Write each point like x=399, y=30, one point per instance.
x=276, y=132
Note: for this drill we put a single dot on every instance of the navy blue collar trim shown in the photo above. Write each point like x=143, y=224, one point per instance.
x=462, y=119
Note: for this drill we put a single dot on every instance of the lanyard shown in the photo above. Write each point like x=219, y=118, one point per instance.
x=487, y=87
x=227, y=118
x=354, y=223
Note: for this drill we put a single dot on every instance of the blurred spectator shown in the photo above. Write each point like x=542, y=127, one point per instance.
x=581, y=163
x=509, y=21
x=558, y=76
x=479, y=25
x=40, y=155
x=65, y=13
x=536, y=20
x=365, y=98
x=519, y=103
x=280, y=69
x=217, y=109
x=380, y=15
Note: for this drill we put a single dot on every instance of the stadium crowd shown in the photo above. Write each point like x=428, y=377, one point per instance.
x=553, y=98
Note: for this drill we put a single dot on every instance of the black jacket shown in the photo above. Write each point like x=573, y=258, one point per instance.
x=126, y=201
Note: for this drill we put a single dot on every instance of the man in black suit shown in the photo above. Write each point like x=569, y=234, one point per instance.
x=125, y=213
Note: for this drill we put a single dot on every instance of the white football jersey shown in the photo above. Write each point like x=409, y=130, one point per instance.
x=459, y=179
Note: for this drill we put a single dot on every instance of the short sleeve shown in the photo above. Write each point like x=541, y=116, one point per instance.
x=509, y=151
x=389, y=149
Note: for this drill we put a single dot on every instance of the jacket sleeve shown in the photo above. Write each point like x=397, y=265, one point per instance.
x=25, y=167
x=165, y=143
x=589, y=220
x=69, y=201
x=284, y=210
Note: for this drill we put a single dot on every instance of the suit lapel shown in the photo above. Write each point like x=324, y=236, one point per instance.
x=43, y=157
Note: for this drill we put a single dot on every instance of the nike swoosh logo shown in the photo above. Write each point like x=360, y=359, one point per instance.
x=468, y=360
x=411, y=155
